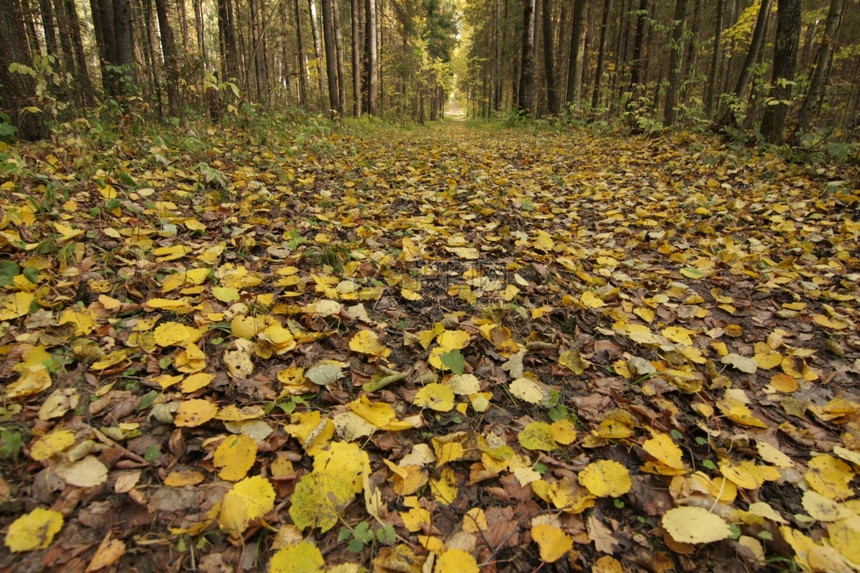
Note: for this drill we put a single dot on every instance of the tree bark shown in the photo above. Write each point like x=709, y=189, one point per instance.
x=338, y=45
x=788, y=25
x=637, y=74
x=331, y=59
x=227, y=37
x=258, y=52
x=19, y=90
x=47, y=13
x=548, y=63
x=497, y=56
x=575, y=63
x=601, y=55
x=355, y=19
x=303, y=64
x=676, y=53
x=820, y=69
x=318, y=52
x=370, y=45
x=168, y=48
x=713, y=77
x=527, y=66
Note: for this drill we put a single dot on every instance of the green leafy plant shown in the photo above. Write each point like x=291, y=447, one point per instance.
x=362, y=535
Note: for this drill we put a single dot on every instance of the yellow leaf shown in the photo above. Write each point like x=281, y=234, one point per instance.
x=605, y=478
x=844, y=535
x=58, y=403
x=463, y=384
x=319, y=499
x=527, y=390
x=738, y=412
x=311, y=430
x=51, y=444
x=445, y=488
x=591, y=300
x=544, y=242
x=366, y=342
x=830, y=477
x=249, y=499
x=238, y=361
x=180, y=478
x=196, y=382
x=773, y=455
x=109, y=551
x=665, y=450
x=15, y=305
x=695, y=525
x=86, y=472
x=453, y=339
x=176, y=334
x=678, y=334
x=181, y=306
x=234, y=456
x=435, y=396
x=34, y=530
x=456, y=561
x=225, y=294
x=572, y=360
x=171, y=253
x=563, y=431
x=303, y=557
x=475, y=520
x=537, y=436
x=344, y=459
x=67, y=233
x=552, y=542
x=193, y=413
x=747, y=474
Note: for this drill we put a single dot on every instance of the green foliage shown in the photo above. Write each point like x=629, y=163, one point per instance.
x=454, y=360
x=7, y=130
x=11, y=443
x=363, y=535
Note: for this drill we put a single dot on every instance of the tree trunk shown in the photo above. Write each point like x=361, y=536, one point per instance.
x=497, y=56
x=788, y=25
x=637, y=73
x=548, y=64
x=601, y=55
x=338, y=45
x=258, y=52
x=19, y=90
x=318, y=52
x=303, y=64
x=183, y=24
x=355, y=18
x=200, y=31
x=370, y=44
x=713, y=78
x=331, y=59
x=527, y=74
x=227, y=37
x=73, y=47
x=575, y=63
x=820, y=69
x=284, y=65
x=168, y=48
x=676, y=53
x=47, y=13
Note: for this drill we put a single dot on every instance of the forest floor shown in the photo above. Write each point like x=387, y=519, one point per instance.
x=426, y=349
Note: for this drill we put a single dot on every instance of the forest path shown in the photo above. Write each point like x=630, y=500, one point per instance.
x=249, y=349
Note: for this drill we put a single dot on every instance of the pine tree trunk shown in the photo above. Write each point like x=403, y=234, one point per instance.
x=676, y=52
x=548, y=63
x=637, y=73
x=227, y=36
x=713, y=76
x=303, y=64
x=788, y=25
x=525, y=96
x=168, y=48
x=331, y=59
x=370, y=45
x=338, y=45
x=19, y=90
x=355, y=16
x=601, y=55
x=574, y=68
x=318, y=52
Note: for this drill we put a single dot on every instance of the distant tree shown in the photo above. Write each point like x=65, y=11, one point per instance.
x=527, y=60
x=675, y=59
x=114, y=36
x=821, y=68
x=370, y=54
x=171, y=59
x=601, y=55
x=335, y=104
x=17, y=90
x=355, y=20
x=788, y=24
x=549, y=61
x=577, y=55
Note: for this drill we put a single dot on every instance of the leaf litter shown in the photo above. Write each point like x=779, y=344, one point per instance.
x=455, y=349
